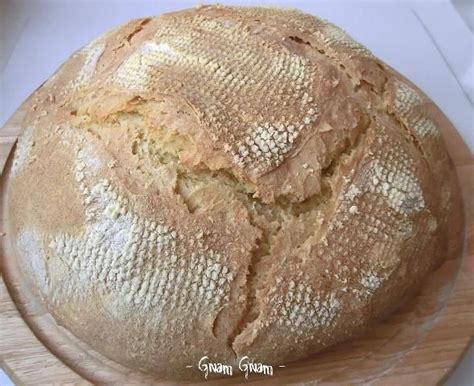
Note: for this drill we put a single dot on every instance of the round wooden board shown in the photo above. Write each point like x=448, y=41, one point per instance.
x=419, y=345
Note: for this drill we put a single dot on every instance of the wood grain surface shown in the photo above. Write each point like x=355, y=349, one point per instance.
x=419, y=345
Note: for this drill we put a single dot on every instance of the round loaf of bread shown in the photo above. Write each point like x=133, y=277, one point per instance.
x=229, y=182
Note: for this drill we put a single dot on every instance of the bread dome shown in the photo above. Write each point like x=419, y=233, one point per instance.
x=226, y=181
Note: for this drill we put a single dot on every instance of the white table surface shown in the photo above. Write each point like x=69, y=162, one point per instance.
x=426, y=40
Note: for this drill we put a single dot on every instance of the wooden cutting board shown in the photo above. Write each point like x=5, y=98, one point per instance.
x=419, y=345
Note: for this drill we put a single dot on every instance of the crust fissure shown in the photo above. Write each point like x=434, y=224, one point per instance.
x=368, y=87
x=409, y=134
x=255, y=281
x=138, y=29
x=260, y=267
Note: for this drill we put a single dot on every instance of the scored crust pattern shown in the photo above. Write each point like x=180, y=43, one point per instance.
x=226, y=181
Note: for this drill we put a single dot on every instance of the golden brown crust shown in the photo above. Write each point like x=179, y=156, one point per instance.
x=226, y=181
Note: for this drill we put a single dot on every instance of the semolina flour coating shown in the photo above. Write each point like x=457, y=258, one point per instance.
x=226, y=181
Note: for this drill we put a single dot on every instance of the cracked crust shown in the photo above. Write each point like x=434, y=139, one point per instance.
x=226, y=181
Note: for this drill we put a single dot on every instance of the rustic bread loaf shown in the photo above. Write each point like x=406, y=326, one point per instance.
x=226, y=181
